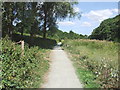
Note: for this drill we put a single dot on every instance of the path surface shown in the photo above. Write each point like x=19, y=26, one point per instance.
x=62, y=73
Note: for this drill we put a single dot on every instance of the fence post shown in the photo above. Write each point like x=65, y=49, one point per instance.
x=22, y=47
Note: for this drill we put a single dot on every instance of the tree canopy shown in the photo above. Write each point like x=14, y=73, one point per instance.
x=33, y=17
x=108, y=30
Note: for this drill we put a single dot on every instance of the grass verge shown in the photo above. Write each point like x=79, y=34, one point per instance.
x=96, y=62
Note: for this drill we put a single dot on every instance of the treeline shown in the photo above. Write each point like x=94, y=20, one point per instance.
x=33, y=17
x=109, y=29
x=59, y=34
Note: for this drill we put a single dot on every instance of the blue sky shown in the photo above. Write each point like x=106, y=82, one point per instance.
x=93, y=13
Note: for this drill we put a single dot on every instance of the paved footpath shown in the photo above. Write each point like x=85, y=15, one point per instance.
x=62, y=73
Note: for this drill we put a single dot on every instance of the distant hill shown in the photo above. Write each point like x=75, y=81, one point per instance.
x=109, y=29
x=55, y=33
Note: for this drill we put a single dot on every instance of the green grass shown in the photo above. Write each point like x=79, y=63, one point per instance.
x=96, y=62
x=0, y=65
x=40, y=71
x=87, y=77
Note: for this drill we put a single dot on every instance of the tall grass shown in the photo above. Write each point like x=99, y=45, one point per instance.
x=96, y=62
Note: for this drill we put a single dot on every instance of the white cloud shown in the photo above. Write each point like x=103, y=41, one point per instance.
x=100, y=15
x=86, y=24
x=76, y=9
x=115, y=10
x=66, y=23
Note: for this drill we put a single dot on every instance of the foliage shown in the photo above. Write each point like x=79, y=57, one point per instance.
x=97, y=60
x=26, y=12
x=50, y=12
x=19, y=11
x=22, y=71
x=57, y=34
x=7, y=18
x=34, y=16
x=108, y=30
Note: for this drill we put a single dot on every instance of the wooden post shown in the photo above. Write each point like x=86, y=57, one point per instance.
x=22, y=47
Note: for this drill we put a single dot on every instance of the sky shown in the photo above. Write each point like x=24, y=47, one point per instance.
x=93, y=13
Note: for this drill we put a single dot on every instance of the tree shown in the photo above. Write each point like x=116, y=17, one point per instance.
x=21, y=8
x=52, y=31
x=50, y=12
x=108, y=30
x=7, y=18
x=33, y=19
x=34, y=14
x=27, y=14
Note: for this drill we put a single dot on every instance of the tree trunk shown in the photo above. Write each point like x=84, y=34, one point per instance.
x=44, y=33
x=10, y=31
x=22, y=29
x=45, y=17
x=10, y=28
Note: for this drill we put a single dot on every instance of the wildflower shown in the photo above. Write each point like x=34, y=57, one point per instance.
x=105, y=65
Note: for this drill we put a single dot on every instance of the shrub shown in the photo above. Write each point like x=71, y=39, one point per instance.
x=21, y=71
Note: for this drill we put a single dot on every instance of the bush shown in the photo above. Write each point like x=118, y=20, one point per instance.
x=21, y=71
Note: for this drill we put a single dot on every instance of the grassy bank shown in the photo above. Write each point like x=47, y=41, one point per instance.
x=96, y=62
x=24, y=71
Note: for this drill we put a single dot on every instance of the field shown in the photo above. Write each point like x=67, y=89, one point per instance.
x=96, y=62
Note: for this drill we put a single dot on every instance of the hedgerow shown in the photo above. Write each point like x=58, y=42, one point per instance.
x=22, y=71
